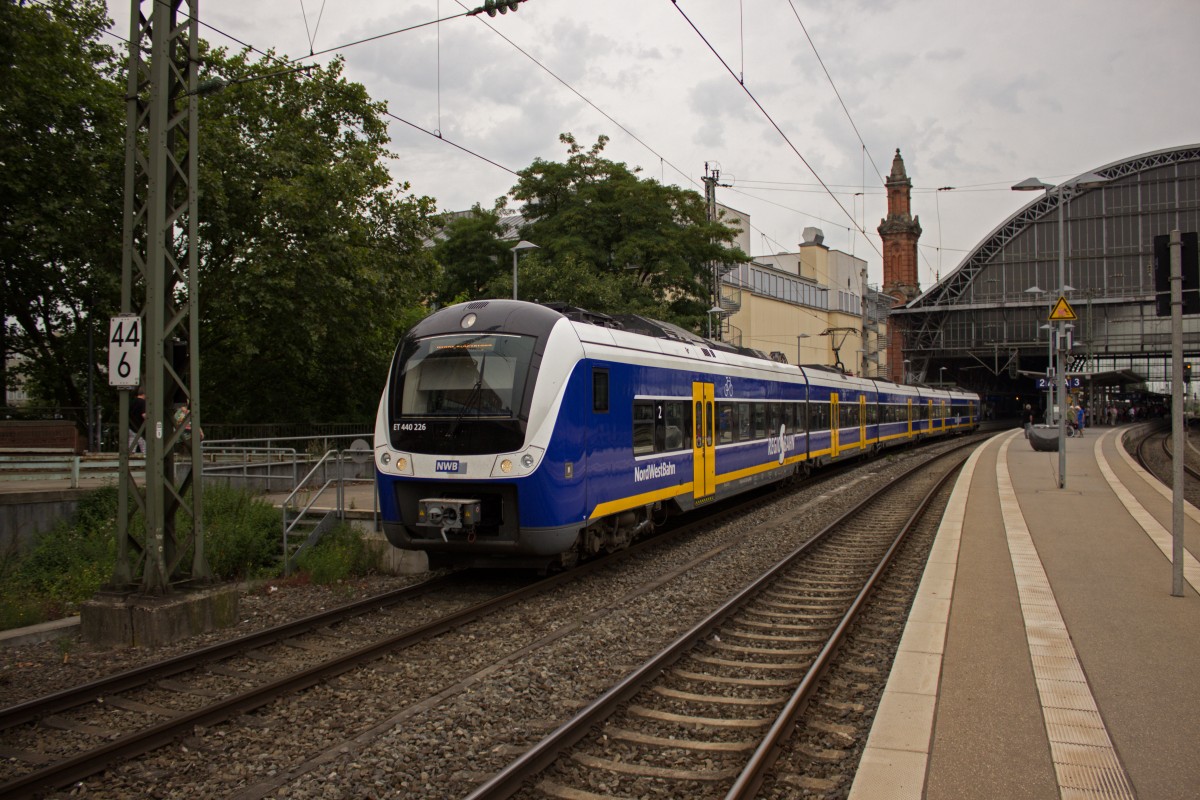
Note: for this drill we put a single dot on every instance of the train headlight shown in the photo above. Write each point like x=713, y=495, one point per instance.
x=523, y=464
x=402, y=464
x=385, y=459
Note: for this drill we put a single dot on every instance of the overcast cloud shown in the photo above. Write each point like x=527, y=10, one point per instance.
x=977, y=96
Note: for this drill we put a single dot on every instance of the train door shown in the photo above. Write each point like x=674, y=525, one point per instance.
x=704, y=443
x=835, y=421
x=910, y=417
x=862, y=421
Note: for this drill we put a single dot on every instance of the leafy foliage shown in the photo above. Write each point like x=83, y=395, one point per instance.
x=242, y=533
x=69, y=563
x=629, y=244
x=472, y=257
x=65, y=566
x=310, y=254
x=61, y=167
x=312, y=258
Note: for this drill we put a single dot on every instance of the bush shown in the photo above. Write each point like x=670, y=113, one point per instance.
x=340, y=554
x=65, y=565
x=243, y=533
x=69, y=563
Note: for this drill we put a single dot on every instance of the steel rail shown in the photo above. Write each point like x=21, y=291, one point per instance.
x=511, y=779
x=130, y=679
x=88, y=763
x=751, y=778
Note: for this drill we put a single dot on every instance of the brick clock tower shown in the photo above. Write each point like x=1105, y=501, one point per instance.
x=899, y=232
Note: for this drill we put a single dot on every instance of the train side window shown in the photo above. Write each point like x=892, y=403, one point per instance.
x=760, y=420
x=743, y=424
x=818, y=416
x=724, y=423
x=643, y=427
x=600, y=391
x=774, y=418
x=679, y=426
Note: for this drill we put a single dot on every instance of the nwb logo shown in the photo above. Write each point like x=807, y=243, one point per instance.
x=448, y=466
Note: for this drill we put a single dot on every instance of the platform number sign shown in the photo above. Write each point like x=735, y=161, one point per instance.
x=125, y=351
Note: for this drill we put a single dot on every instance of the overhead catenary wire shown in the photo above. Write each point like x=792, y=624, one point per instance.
x=585, y=99
x=291, y=62
x=312, y=34
x=437, y=133
x=833, y=86
x=774, y=124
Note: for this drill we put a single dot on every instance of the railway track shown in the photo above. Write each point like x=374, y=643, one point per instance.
x=68, y=736
x=1152, y=451
x=101, y=723
x=710, y=713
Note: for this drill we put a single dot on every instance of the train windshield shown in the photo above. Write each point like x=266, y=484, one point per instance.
x=461, y=376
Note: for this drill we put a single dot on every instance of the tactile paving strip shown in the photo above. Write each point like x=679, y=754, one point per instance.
x=1084, y=759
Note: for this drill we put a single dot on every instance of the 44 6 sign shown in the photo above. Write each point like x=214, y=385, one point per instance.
x=125, y=351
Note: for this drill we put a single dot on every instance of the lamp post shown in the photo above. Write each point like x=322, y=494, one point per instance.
x=1087, y=181
x=800, y=337
x=517, y=248
x=1049, y=329
x=717, y=310
x=907, y=374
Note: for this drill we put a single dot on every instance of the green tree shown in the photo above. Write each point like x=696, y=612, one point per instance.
x=470, y=254
x=311, y=256
x=629, y=244
x=61, y=167
x=313, y=260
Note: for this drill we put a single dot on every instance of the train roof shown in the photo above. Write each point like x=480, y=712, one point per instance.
x=636, y=323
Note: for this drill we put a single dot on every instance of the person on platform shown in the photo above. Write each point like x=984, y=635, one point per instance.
x=137, y=419
x=1080, y=419
x=183, y=417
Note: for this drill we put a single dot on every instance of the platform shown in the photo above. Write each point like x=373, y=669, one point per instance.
x=1045, y=656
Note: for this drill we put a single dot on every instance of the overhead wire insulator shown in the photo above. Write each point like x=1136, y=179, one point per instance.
x=494, y=7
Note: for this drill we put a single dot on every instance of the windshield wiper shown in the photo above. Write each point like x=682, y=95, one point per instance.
x=472, y=400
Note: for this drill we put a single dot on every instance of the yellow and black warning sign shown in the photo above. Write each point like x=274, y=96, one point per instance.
x=1062, y=311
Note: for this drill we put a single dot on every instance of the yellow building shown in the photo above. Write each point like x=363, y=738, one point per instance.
x=805, y=307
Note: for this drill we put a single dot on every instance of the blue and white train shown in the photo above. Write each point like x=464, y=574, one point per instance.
x=518, y=434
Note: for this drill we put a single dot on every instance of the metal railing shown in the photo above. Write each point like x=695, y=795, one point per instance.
x=251, y=464
x=338, y=512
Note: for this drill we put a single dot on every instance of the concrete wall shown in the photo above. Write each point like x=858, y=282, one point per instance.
x=23, y=515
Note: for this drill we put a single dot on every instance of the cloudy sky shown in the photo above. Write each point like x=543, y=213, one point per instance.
x=976, y=95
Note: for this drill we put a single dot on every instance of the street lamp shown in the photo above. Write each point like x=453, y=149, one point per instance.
x=1086, y=181
x=714, y=310
x=907, y=374
x=800, y=345
x=941, y=370
x=517, y=248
